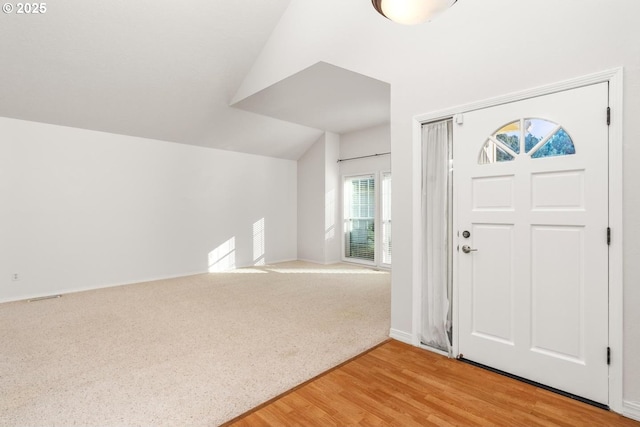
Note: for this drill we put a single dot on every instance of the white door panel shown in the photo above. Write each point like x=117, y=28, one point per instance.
x=491, y=288
x=533, y=294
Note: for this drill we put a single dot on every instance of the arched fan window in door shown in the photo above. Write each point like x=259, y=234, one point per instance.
x=531, y=137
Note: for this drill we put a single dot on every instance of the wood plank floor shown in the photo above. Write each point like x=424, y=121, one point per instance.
x=399, y=385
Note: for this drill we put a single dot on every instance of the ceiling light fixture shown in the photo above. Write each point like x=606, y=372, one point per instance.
x=411, y=12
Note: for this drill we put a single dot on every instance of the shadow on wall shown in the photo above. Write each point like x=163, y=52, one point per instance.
x=223, y=257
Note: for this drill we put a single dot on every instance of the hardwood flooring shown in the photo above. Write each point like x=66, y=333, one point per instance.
x=399, y=385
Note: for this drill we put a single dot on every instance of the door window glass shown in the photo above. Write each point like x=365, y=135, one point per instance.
x=493, y=152
x=509, y=135
x=560, y=144
x=535, y=137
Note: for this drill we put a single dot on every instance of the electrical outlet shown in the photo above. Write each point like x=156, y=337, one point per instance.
x=15, y=277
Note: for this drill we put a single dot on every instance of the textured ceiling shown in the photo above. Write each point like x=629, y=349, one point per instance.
x=154, y=69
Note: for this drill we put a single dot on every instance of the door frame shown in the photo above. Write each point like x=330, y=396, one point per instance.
x=615, y=79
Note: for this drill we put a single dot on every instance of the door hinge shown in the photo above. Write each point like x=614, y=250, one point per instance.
x=608, y=355
x=608, y=116
x=609, y=236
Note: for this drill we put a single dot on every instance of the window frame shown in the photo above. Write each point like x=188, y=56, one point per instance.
x=378, y=243
x=382, y=262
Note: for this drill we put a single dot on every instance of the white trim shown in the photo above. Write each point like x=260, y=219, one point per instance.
x=343, y=256
x=381, y=263
x=68, y=291
x=361, y=263
x=603, y=76
x=315, y=261
x=434, y=350
x=455, y=337
x=616, y=251
x=370, y=267
x=416, y=166
x=377, y=220
x=277, y=261
x=631, y=410
x=402, y=336
x=616, y=284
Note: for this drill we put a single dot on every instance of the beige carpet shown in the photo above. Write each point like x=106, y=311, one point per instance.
x=198, y=350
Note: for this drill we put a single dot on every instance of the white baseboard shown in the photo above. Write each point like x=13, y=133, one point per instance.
x=402, y=336
x=631, y=410
x=278, y=261
x=66, y=291
x=434, y=350
x=96, y=286
x=334, y=262
x=312, y=261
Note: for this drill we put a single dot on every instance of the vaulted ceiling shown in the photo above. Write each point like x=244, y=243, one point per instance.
x=161, y=70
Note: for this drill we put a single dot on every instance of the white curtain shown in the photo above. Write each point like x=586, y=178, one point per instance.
x=436, y=217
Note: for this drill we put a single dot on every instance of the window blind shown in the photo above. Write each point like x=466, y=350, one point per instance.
x=360, y=208
x=386, y=217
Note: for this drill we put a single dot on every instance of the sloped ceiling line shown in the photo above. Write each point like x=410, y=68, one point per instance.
x=326, y=97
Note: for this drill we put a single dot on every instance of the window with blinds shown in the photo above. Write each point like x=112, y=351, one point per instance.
x=359, y=217
x=386, y=217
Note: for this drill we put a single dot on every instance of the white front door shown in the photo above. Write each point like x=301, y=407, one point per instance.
x=531, y=188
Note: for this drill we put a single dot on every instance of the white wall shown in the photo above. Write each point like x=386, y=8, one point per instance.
x=375, y=140
x=474, y=51
x=332, y=225
x=311, y=203
x=366, y=142
x=318, y=204
x=82, y=209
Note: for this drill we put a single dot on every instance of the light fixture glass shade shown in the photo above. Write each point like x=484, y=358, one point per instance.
x=411, y=12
